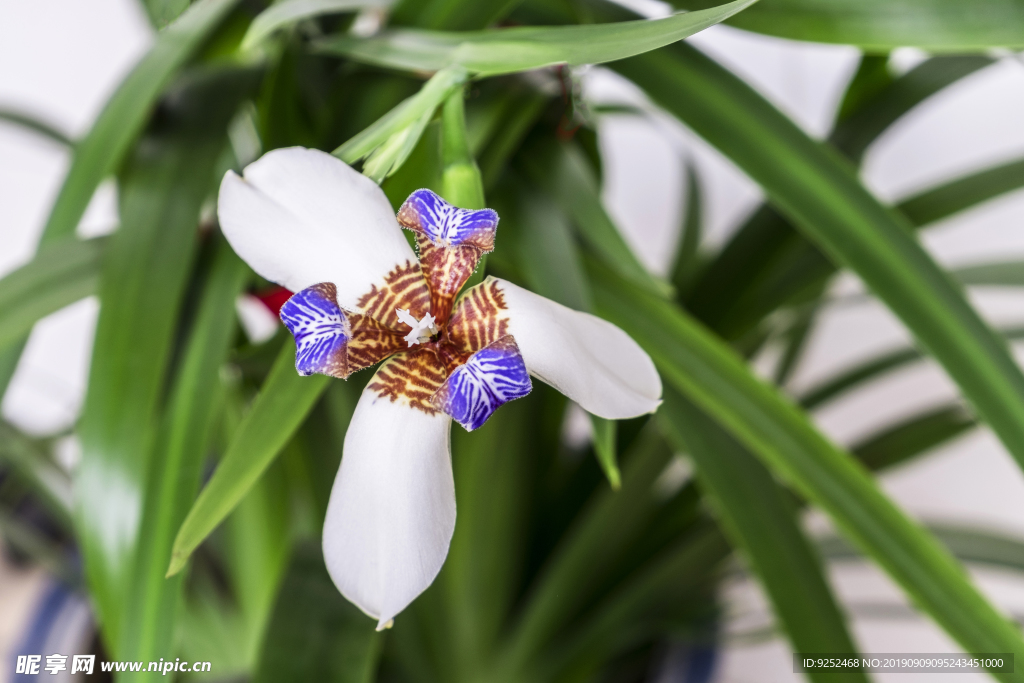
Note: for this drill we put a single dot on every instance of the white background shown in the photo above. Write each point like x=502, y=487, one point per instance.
x=61, y=59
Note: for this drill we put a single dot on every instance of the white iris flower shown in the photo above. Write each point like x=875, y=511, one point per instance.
x=307, y=221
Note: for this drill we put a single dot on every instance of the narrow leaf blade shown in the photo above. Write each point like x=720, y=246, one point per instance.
x=823, y=197
x=57, y=277
x=142, y=287
x=36, y=125
x=760, y=517
x=174, y=474
x=101, y=150
x=718, y=381
x=882, y=25
x=282, y=404
x=509, y=50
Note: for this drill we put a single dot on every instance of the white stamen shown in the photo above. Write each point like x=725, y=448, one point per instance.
x=422, y=330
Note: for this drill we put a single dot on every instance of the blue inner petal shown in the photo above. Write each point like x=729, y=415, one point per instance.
x=320, y=330
x=442, y=222
x=493, y=376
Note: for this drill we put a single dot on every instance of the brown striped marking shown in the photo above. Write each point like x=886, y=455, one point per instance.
x=411, y=377
x=404, y=287
x=370, y=342
x=480, y=318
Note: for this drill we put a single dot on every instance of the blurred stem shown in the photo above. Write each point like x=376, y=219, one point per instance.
x=461, y=183
x=799, y=333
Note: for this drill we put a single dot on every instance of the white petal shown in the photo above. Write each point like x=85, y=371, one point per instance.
x=586, y=358
x=301, y=217
x=392, y=509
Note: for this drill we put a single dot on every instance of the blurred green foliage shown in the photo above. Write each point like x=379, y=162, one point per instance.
x=569, y=563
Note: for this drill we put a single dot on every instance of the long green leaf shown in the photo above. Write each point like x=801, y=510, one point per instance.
x=174, y=473
x=768, y=263
x=100, y=152
x=389, y=141
x=255, y=549
x=950, y=198
x=687, y=262
x=284, y=14
x=872, y=76
x=856, y=375
x=761, y=518
x=509, y=50
x=58, y=276
x=718, y=381
x=119, y=123
x=144, y=277
x=406, y=114
x=973, y=546
x=901, y=442
x=870, y=369
x=996, y=274
x=451, y=15
x=855, y=132
x=36, y=125
x=282, y=404
x=823, y=197
x=881, y=25
x=797, y=337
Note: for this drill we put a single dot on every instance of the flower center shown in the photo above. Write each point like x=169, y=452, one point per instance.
x=422, y=330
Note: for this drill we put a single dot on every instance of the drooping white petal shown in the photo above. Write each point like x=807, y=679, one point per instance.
x=300, y=217
x=392, y=509
x=588, y=359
